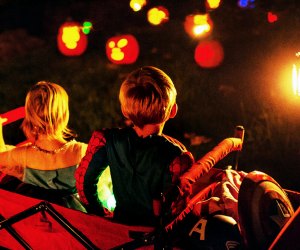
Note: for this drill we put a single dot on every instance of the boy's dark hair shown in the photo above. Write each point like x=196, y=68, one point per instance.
x=147, y=96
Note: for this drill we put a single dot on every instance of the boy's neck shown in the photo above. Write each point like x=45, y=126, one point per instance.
x=149, y=129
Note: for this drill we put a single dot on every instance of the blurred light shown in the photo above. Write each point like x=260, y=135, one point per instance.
x=158, y=15
x=296, y=77
x=86, y=27
x=246, y=3
x=137, y=5
x=213, y=4
x=198, y=25
x=209, y=54
x=272, y=18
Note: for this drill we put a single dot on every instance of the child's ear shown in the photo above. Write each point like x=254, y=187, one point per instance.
x=174, y=110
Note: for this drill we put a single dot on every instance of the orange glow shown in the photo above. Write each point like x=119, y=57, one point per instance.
x=285, y=88
x=296, y=80
x=213, y=4
x=158, y=15
x=137, y=5
x=198, y=25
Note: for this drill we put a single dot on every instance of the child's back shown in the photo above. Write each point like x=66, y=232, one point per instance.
x=143, y=162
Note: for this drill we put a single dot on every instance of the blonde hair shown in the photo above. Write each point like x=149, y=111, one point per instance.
x=46, y=112
x=147, y=96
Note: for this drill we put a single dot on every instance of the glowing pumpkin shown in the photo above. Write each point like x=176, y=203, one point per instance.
x=71, y=40
x=209, y=54
x=123, y=49
x=199, y=25
x=212, y=4
x=137, y=5
x=158, y=15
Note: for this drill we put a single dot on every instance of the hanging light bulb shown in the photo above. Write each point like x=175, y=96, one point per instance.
x=296, y=76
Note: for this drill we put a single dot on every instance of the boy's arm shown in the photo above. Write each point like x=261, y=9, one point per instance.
x=203, y=165
x=89, y=171
x=180, y=165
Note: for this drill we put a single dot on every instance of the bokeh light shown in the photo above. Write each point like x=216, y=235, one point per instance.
x=86, y=27
x=137, y=5
x=213, y=4
x=158, y=15
x=198, y=25
x=209, y=54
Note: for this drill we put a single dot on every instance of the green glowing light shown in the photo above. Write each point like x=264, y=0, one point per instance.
x=105, y=192
x=86, y=27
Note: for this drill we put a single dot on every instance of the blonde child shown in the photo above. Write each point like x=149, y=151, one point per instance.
x=50, y=158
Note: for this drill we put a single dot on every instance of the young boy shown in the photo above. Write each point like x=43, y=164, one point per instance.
x=144, y=163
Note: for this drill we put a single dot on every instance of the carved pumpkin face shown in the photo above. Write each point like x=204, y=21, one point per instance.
x=209, y=54
x=71, y=40
x=123, y=49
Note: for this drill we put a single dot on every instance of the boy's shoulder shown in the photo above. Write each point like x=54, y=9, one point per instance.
x=175, y=141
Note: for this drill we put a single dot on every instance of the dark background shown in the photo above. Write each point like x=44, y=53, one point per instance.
x=252, y=87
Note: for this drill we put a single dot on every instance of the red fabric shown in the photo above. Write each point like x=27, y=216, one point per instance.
x=97, y=141
x=38, y=234
x=217, y=191
x=180, y=165
x=13, y=115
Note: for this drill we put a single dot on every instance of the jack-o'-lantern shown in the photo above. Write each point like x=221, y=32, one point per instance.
x=212, y=4
x=71, y=40
x=199, y=25
x=137, y=5
x=122, y=49
x=158, y=15
x=209, y=54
